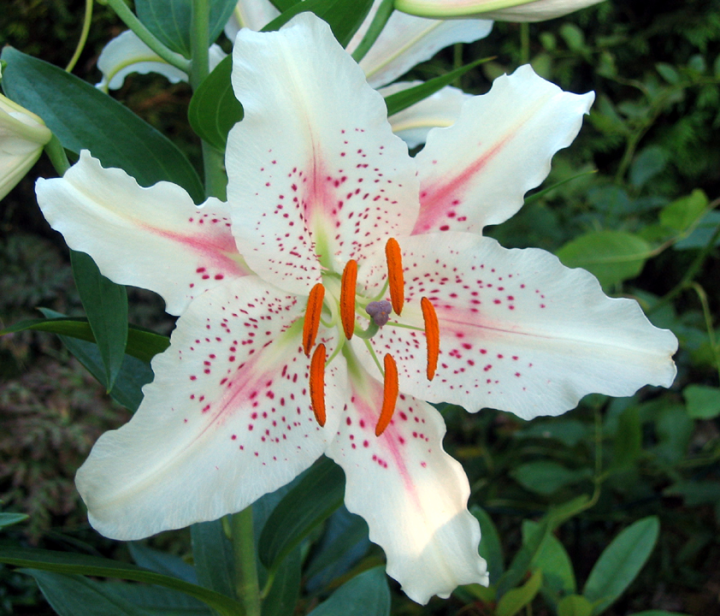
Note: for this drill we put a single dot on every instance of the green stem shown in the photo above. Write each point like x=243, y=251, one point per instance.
x=83, y=36
x=246, y=575
x=524, y=43
x=702, y=296
x=57, y=156
x=147, y=37
x=199, y=42
x=215, y=176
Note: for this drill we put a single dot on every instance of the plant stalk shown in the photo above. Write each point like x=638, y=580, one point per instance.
x=246, y=575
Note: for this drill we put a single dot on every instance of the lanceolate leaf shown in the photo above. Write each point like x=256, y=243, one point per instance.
x=213, y=556
x=214, y=110
x=365, y=595
x=106, y=307
x=80, y=564
x=620, y=563
x=82, y=117
x=343, y=16
x=402, y=100
x=171, y=20
x=317, y=495
x=142, y=344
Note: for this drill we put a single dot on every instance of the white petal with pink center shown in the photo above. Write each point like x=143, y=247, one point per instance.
x=226, y=419
x=155, y=238
x=519, y=331
x=316, y=176
x=476, y=172
x=412, y=494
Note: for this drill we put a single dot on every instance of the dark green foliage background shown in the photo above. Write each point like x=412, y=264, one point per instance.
x=653, y=138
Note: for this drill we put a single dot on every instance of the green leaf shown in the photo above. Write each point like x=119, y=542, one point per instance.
x=404, y=99
x=682, y=213
x=570, y=432
x=171, y=20
x=574, y=605
x=61, y=562
x=516, y=599
x=344, y=17
x=620, y=563
x=214, y=110
x=213, y=556
x=161, y=562
x=284, y=5
x=286, y=587
x=702, y=233
x=71, y=595
x=695, y=493
x=668, y=72
x=573, y=36
x=141, y=343
x=657, y=613
x=309, y=503
x=82, y=117
x=365, y=595
x=612, y=256
x=334, y=551
x=703, y=402
x=157, y=600
x=8, y=519
x=490, y=545
x=627, y=445
x=648, y=164
x=553, y=560
x=106, y=307
x=547, y=477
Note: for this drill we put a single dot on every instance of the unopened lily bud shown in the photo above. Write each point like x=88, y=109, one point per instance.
x=499, y=10
x=22, y=137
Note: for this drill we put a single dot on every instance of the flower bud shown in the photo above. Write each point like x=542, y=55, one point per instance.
x=22, y=137
x=499, y=10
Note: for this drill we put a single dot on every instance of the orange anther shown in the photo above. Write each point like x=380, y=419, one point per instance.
x=347, y=298
x=395, y=275
x=432, y=335
x=317, y=383
x=312, y=317
x=390, y=394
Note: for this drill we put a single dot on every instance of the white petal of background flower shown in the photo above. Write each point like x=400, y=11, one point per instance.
x=412, y=494
x=501, y=10
x=226, y=420
x=313, y=167
x=476, y=172
x=519, y=331
x=155, y=238
x=441, y=109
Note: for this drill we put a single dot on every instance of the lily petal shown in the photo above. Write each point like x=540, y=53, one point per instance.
x=226, y=419
x=501, y=10
x=127, y=54
x=519, y=331
x=407, y=40
x=476, y=172
x=412, y=494
x=253, y=14
x=335, y=181
x=155, y=238
x=441, y=109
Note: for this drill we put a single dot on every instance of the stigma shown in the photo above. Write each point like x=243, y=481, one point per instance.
x=379, y=312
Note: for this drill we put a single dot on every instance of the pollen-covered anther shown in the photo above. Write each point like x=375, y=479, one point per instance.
x=317, y=383
x=396, y=280
x=312, y=317
x=432, y=336
x=390, y=394
x=347, y=298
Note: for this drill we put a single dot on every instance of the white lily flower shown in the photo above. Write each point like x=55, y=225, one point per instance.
x=405, y=41
x=127, y=54
x=499, y=10
x=327, y=212
x=22, y=137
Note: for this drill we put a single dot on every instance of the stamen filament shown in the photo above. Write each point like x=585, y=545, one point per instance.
x=317, y=383
x=432, y=336
x=390, y=394
x=395, y=275
x=347, y=298
x=312, y=317
x=372, y=353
